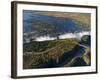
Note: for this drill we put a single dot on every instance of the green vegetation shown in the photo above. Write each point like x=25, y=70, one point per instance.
x=46, y=53
x=86, y=40
x=57, y=53
x=86, y=56
x=83, y=60
x=42, y=46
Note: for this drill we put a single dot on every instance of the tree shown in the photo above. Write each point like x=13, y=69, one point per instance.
x=86, y=39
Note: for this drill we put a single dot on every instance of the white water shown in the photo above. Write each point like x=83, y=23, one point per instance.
x=45, y=38
x=64, y=36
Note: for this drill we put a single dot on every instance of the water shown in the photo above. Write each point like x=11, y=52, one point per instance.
x=64, y=36
x=63, y=25
x=45, y=38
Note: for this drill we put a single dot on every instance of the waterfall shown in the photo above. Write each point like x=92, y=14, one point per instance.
x=64, y=36
x=77, y=35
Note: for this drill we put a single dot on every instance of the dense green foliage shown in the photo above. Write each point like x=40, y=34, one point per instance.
x=44, y=45
x=56, y=53
x=86, y=40
x=46, y=52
